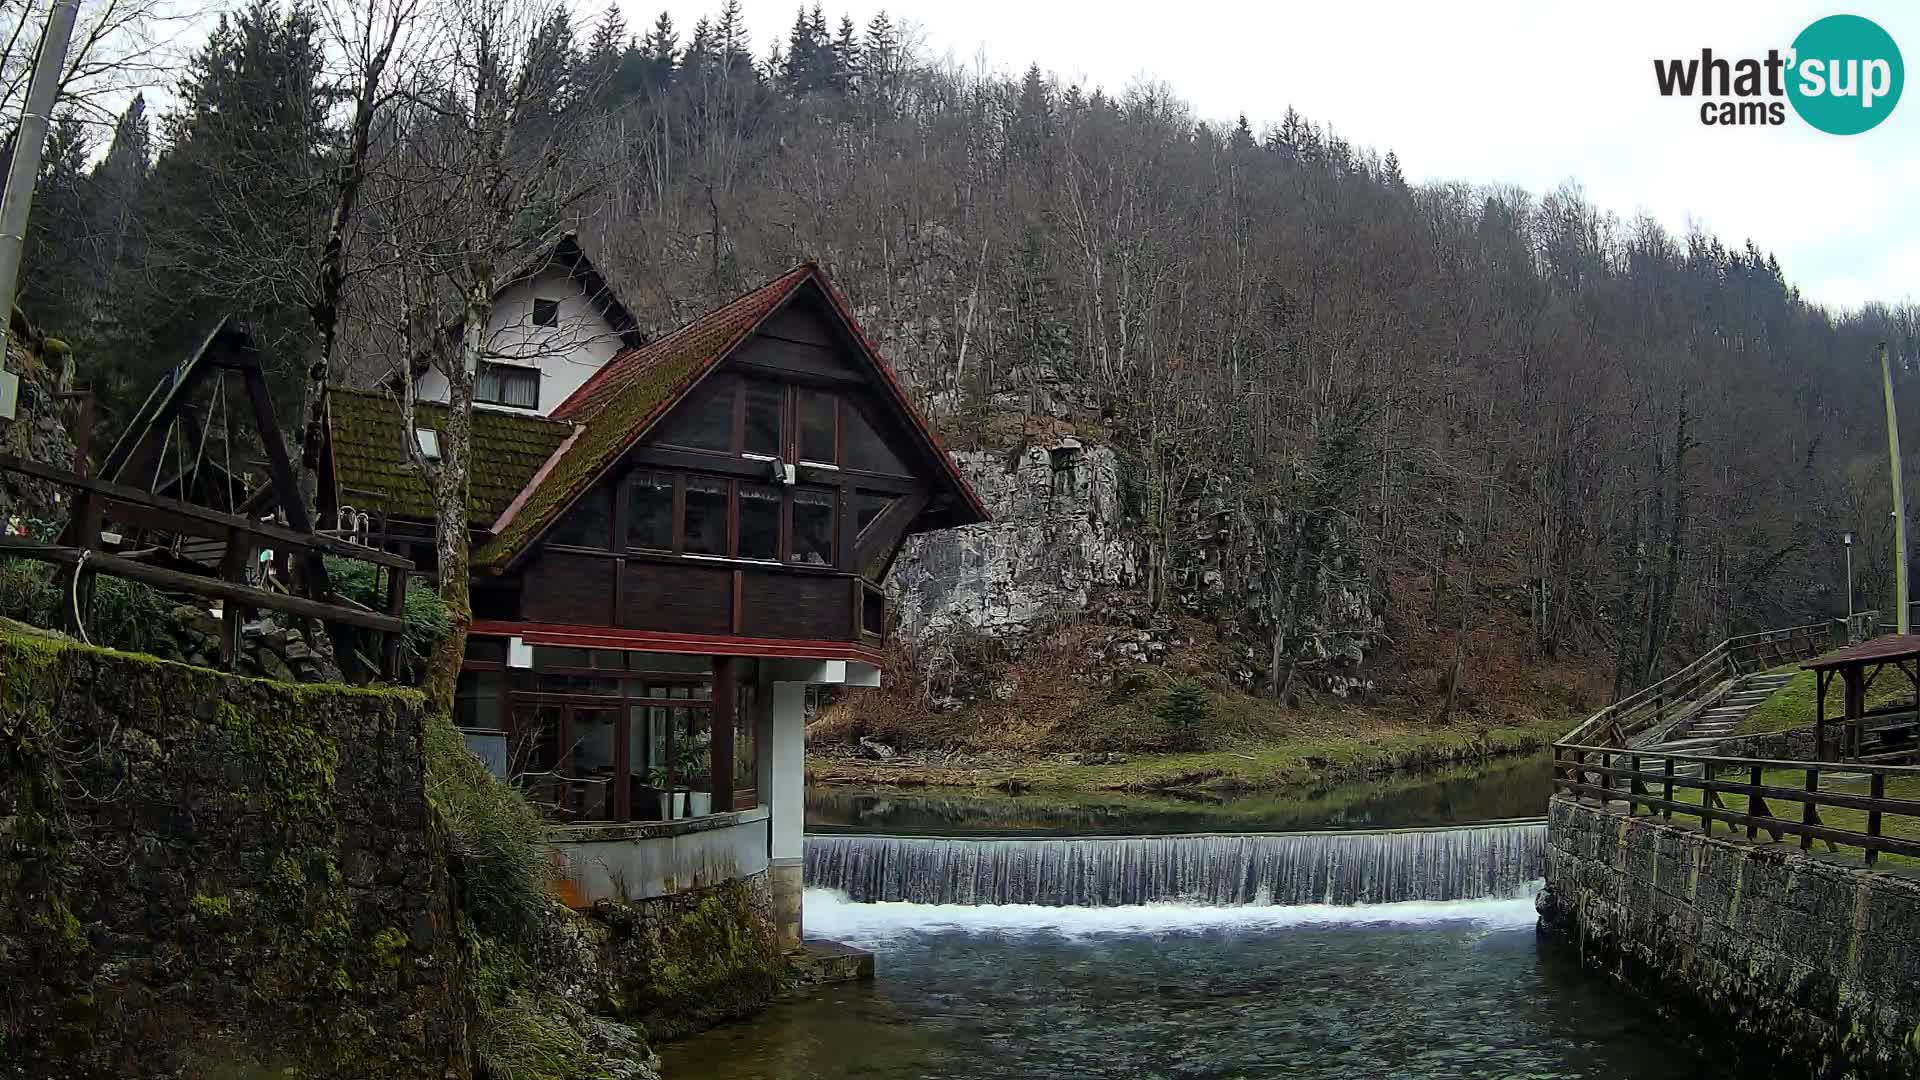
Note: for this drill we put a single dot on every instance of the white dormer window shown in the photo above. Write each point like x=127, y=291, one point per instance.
x=546, y=312
x=429, y=441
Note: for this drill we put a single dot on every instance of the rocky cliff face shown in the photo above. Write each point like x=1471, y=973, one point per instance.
x=1057, y=536
x=35, y=433
x=1061, y=540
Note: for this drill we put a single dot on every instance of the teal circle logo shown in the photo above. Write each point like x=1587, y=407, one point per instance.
x=1847, y=74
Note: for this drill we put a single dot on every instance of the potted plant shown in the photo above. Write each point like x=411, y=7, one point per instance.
x=694, y=764
x=673, y=804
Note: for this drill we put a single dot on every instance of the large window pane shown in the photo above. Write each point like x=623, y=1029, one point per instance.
x=476, y=700
x=764, y=405
x=865, y=450
x=650, y=511
x=817, y=428
x=759, y=521
x=813, y=526
x=504, y=384
x=590, y=522
x=589, y=781
x=706, y=516
x=705, y=420
x=867, y=505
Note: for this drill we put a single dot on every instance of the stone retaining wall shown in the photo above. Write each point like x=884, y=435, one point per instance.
x=209, y=876
x=1813, y=957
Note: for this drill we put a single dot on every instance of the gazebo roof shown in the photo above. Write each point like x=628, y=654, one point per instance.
x=1881, y=650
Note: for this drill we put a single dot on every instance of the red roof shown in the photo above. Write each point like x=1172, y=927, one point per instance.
x=639, y=385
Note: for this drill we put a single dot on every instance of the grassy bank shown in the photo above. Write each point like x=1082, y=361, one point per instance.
x=1292, y=763
x=1792, y=705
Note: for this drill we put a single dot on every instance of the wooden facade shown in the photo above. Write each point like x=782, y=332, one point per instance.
x=728, y=496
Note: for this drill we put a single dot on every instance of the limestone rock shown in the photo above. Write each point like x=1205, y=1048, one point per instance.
x=1056, y=537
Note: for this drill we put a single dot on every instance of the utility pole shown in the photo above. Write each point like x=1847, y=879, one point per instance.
x=1899, y=497
x=32, y=139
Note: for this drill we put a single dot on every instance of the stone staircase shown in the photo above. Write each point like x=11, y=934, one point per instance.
x=1720, y=720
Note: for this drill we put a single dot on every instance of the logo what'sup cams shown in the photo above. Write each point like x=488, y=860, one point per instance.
x=1843, y=75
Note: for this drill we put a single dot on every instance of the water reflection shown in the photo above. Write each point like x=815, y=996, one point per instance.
x=1512, y=789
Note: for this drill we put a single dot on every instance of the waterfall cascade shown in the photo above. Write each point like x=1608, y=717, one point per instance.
x=1216, y=869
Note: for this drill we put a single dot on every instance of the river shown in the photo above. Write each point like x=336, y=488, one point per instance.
x=1424, y=964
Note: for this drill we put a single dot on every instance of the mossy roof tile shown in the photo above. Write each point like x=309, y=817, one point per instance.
x=371, y=469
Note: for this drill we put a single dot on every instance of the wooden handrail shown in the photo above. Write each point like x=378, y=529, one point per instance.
x=1643, y=772
x=1678, y=688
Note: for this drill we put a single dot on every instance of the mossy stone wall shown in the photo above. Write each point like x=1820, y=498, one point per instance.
x=1806, y=958
x=673, y=964
x=207, y=876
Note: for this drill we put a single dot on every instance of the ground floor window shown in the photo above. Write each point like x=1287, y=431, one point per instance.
x=610, y=735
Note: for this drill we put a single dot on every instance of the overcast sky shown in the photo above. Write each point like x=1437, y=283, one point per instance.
x=1524, y=93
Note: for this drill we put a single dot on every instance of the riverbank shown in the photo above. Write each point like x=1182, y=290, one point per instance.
x=1327, y=759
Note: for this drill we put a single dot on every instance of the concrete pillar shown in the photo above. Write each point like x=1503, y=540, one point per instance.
x=786, y=802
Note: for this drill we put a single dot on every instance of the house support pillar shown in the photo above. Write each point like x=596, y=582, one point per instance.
x=786, y=800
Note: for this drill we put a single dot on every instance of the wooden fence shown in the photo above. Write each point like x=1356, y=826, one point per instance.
x=1653, y=781
x=1683, y=691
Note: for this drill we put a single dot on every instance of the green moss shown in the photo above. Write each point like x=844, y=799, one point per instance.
x=212, y=908
x=688, y=962
x=388, y=946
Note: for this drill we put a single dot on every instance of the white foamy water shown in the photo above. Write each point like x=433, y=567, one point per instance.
x=830, y=914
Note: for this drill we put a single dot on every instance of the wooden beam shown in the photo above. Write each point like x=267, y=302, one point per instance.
x=161, y=577
x=121, y=493
x=883, y=536
x=720, y=740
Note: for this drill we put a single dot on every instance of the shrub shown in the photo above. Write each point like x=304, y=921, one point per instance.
x=126, y=614
x=495, y=834
x=1184, y=711
x=360, y=582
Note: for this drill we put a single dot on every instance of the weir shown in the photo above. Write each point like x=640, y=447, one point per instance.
x=1464, y=863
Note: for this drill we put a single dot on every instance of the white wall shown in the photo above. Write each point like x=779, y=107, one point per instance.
x=566, y=354
x=658, y=858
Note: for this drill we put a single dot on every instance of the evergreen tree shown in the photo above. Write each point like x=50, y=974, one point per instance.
x=1390, y=172
x=57, y=277
x=659, y=52
x=730, y=40
x=701, y=55
x=611, y=69
x=548, y=71
x=230, y=217
x=1241, y=141
x=1032, y=117
x=846, y=55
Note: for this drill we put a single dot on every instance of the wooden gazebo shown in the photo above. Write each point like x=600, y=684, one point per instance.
x=1882, y=733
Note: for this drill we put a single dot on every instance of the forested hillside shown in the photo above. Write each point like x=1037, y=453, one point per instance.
x=1528, y=433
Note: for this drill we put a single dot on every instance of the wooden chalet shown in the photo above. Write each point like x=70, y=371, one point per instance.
x=663, y=560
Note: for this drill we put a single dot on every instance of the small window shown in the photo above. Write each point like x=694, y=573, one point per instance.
x=706, y=516
x=759, y=521
x=818, y=428
x=866, y=451
x=546, y=313
x=705, y=420
x=813, y=526
x=505, y=384
x=650, y=511
x=590, y=522
x=429, y=441
x=765, y=402
x=873, y=612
